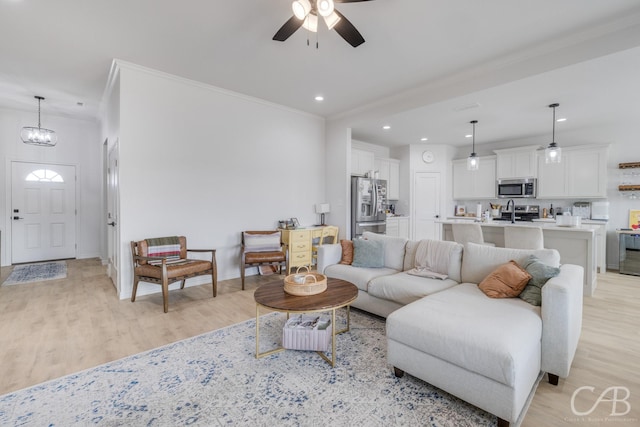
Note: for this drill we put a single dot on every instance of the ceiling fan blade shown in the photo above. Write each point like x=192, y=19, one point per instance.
x=348, y=32
x=289, y=27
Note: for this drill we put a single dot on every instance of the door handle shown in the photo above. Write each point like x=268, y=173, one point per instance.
x=112, y=223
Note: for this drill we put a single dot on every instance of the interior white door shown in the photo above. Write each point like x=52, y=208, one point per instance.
x=43, y=212
x=426, y=205
x=113, y=235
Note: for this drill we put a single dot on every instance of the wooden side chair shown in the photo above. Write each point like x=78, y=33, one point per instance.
x=261, y=248
x=329, y=236
x=164, y=261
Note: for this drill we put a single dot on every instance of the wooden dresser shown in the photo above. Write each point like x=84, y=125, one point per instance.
x=299, y=245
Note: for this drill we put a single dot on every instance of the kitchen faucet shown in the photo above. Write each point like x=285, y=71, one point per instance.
x=513, y=210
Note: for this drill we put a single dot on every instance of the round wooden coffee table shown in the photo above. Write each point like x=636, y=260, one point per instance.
x=272, y=296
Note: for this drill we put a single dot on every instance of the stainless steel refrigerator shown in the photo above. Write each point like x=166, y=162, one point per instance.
x=368, y=204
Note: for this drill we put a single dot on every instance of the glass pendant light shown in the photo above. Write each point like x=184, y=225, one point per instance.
x=473, y=161
x=39, y=135
x=553, y=153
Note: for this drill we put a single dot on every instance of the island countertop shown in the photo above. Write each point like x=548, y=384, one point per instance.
x=500, y=223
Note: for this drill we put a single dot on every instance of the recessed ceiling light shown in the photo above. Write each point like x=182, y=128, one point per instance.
x=386, y=127
x=424, y=139
x=319, y=98
x=468, y=136
x=562, y=119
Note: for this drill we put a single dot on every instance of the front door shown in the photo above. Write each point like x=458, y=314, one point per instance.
x=426, y=208
x=43, y=212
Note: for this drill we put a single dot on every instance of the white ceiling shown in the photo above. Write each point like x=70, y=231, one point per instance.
x=423, y=63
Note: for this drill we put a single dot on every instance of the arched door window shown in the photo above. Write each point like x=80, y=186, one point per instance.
x=44, y=175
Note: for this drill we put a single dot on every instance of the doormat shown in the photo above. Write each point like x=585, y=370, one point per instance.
x=29, y=273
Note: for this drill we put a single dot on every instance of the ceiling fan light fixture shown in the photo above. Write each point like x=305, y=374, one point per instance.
x=38, y=135
x=331, y=20
x=473, y=161
x=325, y=7
x=301, y=8
x=553, y=153
x=311, y=23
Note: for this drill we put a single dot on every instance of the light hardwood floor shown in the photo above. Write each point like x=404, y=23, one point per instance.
x=50, y=329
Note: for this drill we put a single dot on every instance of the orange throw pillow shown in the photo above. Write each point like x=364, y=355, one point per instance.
x=506, y=281
x=347, y=252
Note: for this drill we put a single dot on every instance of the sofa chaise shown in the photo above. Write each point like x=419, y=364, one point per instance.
x=487, y=351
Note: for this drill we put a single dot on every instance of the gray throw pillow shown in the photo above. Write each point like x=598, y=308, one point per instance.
x=368, y=253
x=540, y=273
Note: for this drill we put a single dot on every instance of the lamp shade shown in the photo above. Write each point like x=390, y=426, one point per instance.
x=331, y=20
x=325, y=7
x=323, y=208
x=311, y=23
x=301, y=8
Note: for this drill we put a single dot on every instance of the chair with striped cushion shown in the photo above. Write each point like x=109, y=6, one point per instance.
x=163, y=261
x=261, y=248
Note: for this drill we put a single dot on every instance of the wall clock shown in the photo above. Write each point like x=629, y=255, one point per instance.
x=428, y=157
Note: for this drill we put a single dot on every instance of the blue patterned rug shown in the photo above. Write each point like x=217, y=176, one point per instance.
x=215, y=379
x=28, y=273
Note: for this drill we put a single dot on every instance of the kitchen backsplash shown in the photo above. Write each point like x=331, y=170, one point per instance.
x=559, y=206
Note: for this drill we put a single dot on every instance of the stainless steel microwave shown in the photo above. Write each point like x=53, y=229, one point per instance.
x=516, y=188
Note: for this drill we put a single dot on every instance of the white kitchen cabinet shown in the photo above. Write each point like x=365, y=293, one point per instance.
x=518, y=162
x=398, y=226
x=389, y=170
x=479, y=184
x=582, y=173
x=361, y=161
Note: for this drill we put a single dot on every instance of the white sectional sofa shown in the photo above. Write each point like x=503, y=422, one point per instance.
x=486, y=351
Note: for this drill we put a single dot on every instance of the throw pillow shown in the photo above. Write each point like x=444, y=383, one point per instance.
x=262, y=242
x=347, y=252
x=506, y=281
x=540, y=274
x=368, y=253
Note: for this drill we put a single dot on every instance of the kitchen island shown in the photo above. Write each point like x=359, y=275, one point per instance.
x=576, y=245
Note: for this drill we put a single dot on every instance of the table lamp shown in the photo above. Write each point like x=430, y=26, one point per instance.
x=322, y=208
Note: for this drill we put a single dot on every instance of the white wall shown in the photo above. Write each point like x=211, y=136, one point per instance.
x=79, y=145
x=206, y=163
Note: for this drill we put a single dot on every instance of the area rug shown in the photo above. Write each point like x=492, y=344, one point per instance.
x=29, y=273
x=215, y=379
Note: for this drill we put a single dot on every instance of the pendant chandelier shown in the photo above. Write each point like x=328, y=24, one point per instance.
x=473, y=161
x=553, y=153
x=39, y=135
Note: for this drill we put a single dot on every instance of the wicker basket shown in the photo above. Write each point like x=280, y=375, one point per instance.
x=304, y=284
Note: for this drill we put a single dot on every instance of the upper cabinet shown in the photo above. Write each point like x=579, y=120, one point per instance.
x=389, y=170
x=479, y=184
x=361, y=161
x=518, y=162
x=582, y=173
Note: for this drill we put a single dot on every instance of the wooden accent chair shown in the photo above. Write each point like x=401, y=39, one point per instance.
x=329, y=235
x=164, y=268
x=261, y=248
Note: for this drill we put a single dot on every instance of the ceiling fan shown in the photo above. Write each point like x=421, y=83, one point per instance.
x=305, y=14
